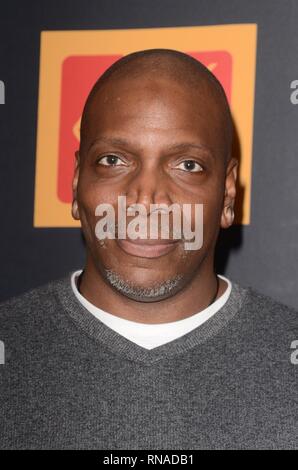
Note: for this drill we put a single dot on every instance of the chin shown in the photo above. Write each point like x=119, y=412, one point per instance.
x=151, y=291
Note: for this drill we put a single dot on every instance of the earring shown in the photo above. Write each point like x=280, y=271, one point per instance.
x=231, y=214
x=75, y=209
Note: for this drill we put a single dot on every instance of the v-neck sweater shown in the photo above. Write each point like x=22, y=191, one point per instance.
x=71, y=382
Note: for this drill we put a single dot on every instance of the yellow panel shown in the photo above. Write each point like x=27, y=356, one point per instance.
x=239, y=40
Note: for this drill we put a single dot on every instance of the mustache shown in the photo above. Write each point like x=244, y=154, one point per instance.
x=173, y=234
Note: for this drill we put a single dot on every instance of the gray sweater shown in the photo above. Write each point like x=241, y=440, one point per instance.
x=71, y=382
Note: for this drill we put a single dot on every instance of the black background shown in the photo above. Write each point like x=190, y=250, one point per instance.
x=264, y=254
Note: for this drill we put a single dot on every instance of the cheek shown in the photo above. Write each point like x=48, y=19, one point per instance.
x=210, y=216
x=212, y=210
x=211, y=202
x=90, y=195
x=92, y=192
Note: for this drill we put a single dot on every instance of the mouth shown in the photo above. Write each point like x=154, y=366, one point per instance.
x=144, y=248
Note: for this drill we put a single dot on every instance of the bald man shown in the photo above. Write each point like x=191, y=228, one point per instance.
x=146, y=346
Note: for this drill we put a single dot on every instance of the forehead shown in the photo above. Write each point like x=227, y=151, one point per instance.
x=155, y=108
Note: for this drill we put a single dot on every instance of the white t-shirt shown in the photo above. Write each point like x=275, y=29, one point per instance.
x=150, y=336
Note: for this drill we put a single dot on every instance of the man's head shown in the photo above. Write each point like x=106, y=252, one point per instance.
x=156, y=128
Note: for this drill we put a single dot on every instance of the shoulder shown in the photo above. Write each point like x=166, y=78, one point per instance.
x=268, y=328
x=263, y=309
x=24, y=309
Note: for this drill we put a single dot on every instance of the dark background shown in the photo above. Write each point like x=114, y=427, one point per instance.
x=264, y=254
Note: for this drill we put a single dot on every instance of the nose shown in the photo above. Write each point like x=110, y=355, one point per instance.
x=148, y=186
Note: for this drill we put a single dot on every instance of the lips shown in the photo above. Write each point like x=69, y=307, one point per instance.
x=144, y=248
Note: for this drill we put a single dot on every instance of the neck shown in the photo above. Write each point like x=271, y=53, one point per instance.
x=199, y=293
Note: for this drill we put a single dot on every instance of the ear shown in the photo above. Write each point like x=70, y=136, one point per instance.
x=75, y=209
x=227, y=215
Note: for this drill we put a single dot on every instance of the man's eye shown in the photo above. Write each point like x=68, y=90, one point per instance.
x=190, y=166
x=110, y=160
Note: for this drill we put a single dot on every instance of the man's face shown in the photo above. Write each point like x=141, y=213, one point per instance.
x=154, y=142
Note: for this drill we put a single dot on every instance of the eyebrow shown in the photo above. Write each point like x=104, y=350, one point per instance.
x=177, y=146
